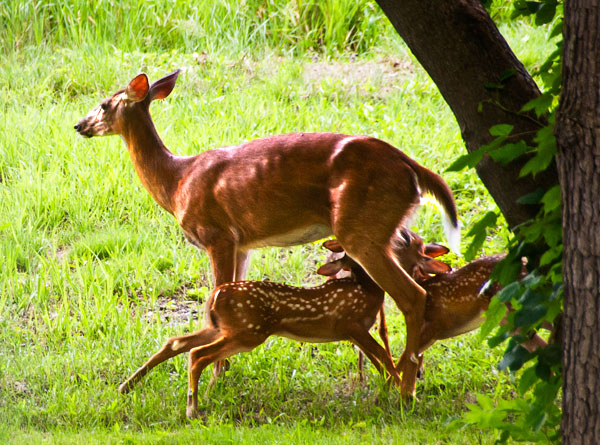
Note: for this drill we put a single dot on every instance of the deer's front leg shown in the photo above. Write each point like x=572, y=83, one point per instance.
x=228, y=264
x=222, y=260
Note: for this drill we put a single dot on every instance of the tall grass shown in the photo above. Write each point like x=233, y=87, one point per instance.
x=295, y=26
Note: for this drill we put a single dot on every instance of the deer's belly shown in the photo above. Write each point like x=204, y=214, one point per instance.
x=309, y=338
x=467, y=326
x=302, y=235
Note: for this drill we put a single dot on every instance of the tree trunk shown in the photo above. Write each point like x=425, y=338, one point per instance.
x=578, y=138
x=460, y=47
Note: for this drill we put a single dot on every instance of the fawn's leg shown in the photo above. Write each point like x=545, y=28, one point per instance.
x=373, y=350
x=203, y=356
x=172, y=347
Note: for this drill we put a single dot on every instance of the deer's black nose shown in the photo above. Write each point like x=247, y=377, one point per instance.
x=77, y=126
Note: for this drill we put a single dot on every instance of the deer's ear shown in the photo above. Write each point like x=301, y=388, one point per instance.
x=330, y=269
x=163, y=87
x=433, y=250
x=333, y=245
x=137, y=90
x=434, y=267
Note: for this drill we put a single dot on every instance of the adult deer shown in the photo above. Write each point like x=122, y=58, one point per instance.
x=280, y=191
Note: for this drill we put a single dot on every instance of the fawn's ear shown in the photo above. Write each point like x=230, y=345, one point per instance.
x=333, y=245
x=137, y=89
x=433, y=250
x=434, y=266
x=163, y=86
x=330, y=269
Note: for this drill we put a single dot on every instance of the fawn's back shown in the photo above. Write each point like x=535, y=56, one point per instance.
x=263, y=308
x=455, y=303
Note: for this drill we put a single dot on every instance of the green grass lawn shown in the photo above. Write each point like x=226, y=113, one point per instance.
x=95, y=276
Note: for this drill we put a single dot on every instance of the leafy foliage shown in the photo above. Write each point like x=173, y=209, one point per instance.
x=536, y=297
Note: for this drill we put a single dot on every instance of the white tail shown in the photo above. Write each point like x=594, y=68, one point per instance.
x=279, y=191
x=243, y=314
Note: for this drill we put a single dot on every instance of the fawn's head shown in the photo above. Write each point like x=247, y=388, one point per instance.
x=108, y=117
x=416, y=257
x=337, y=261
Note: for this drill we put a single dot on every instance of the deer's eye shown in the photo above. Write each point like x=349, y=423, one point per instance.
x=104, y=106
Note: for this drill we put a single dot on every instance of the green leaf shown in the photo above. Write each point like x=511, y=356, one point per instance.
x=493, y=317
x=508, y=270
x=501, y=129
x=553, y=234
x=475, y=246
x=529, y=315
x=540, y=104
x=551, y=199
x=551, y=255
x=530, y=298
x=498, y=338
x=469, y=160
x=531, y=233
x=545, y=14
x=524, y=8
x=527, y=380
x=544, y=154
x=531, y=198
x=543, y=371
x=479, y=234
x=488, y=220
x=513, y=290
x=532, y=279
x=546, y=391
x=509, y=152
x=507, y=74
x=551, y=355
x=557, y=30
x=536, y=421
x=514, y=359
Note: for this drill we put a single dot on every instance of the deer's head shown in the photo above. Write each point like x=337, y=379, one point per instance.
x=113, y=113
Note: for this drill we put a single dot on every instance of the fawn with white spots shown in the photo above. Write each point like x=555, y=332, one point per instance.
x=416, y=257
x=456, y=300
x=280, y=191
x=242, y=315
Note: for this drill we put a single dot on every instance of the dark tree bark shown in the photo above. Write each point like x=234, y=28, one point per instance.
x=460, y=47
x=578, y=138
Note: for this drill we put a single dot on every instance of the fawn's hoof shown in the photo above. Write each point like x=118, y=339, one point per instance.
x=191, y=412
x=124, y=388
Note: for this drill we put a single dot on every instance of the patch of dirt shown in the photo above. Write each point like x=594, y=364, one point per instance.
x=374, y=78
x=386, y=73
x=174, y=310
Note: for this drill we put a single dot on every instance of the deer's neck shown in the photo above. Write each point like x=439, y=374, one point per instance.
x=158, y=168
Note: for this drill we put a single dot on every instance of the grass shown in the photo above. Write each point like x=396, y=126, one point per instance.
x=96, y=276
